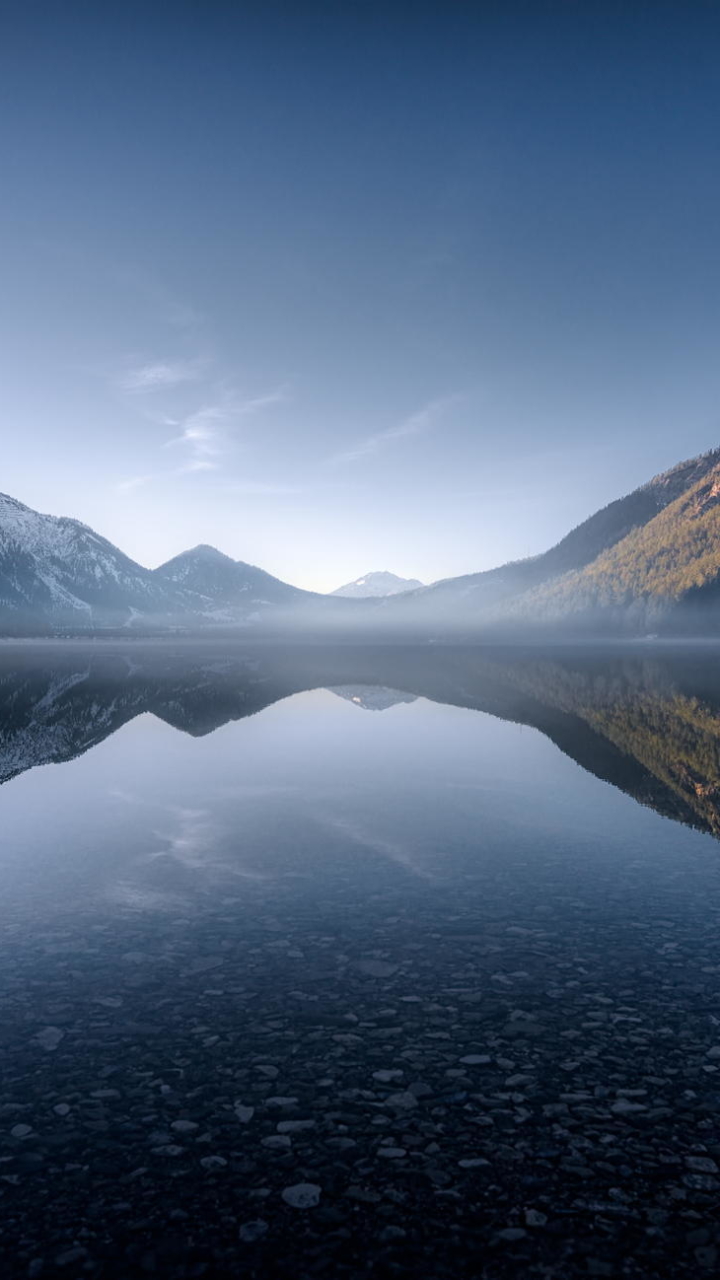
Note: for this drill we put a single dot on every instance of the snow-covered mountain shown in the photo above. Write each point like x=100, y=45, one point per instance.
x=56, y=572
x=377, y=584
x=219, y=588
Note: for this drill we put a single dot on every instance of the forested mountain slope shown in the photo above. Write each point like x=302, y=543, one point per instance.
x=663, y=575
x=627, y=568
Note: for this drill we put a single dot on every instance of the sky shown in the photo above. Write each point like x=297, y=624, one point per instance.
x=338, y=288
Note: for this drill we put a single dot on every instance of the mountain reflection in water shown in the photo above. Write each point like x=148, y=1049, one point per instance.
x=646, y=722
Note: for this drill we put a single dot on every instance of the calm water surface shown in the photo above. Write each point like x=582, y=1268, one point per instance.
x=432, y=935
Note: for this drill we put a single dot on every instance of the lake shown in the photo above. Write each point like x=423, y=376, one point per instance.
x=359, y=962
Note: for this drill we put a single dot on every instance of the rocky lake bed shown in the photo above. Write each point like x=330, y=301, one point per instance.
x=361, y=986
x=466, y=1096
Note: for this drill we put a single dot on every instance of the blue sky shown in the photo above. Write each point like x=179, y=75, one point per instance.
x=346, y=287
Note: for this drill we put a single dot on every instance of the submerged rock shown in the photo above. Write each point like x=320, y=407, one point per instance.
x=304, y=1195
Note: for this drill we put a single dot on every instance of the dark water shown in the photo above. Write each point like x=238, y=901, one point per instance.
x=433, y=933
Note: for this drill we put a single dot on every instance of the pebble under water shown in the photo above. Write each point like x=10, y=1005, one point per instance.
x=361, y=985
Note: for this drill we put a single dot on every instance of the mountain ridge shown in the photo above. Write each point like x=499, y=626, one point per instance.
x=512, y=594
x=648, y=561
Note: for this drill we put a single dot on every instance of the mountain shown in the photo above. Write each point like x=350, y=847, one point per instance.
x=648, y=561
x=218, y=588
x=663, y=576
x=58, y=573
x=377, y=584
x=57, y=570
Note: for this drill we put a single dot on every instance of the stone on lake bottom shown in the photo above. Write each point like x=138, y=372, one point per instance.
x=49, y=1038
x=377, y=968
x=252, y=1231
x=304, y=1195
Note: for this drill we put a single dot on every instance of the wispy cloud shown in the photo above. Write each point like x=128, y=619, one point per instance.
x=161, y=375
x=190, y=397
x=204, y=432
x=417, y=424
x=199, y=430
x=133, y=482
x=256, y=403
x=201, y=437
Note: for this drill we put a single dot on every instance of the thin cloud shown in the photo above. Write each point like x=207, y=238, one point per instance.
x=256, y=403
x=198, y=431
x=204, y=432
x=133, y=482
x=162, y=375
x=201, y=435
x=417, y=424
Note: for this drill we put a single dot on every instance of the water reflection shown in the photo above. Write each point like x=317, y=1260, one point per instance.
x=647, y=724
x=277, y=918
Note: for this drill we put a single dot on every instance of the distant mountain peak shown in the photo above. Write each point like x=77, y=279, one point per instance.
x=377, y=584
